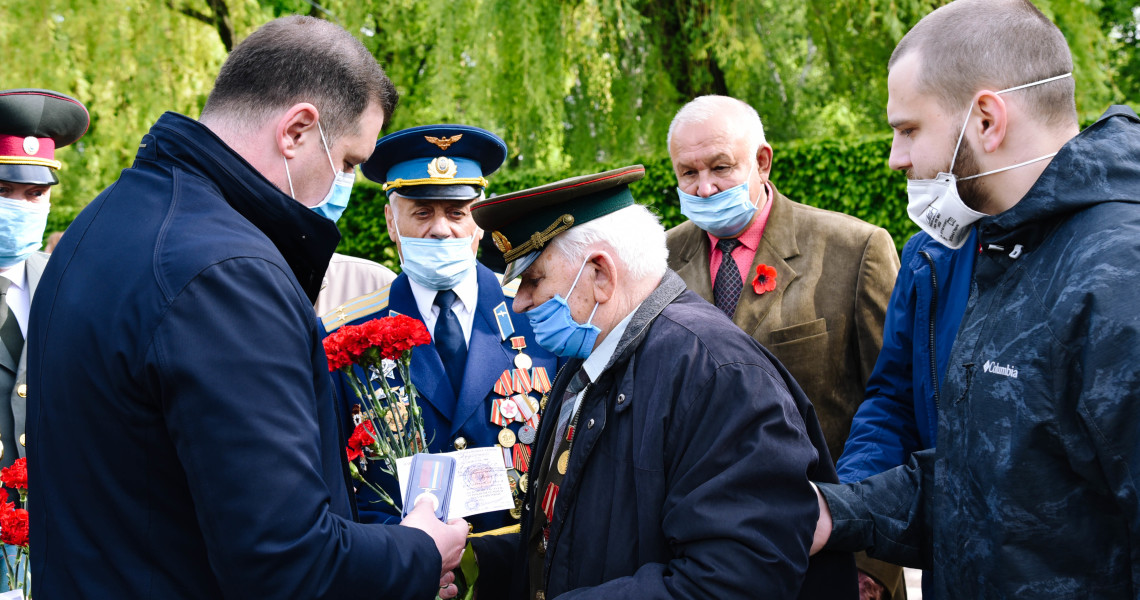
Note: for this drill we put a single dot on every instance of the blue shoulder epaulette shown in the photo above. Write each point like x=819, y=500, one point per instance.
x=358, y=307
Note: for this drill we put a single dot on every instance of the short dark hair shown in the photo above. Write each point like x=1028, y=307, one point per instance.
x=302, y=59
x=970, y=45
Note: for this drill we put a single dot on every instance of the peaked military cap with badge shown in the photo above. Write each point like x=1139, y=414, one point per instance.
x=436, y=162
x=35, y=123
x=522, y=223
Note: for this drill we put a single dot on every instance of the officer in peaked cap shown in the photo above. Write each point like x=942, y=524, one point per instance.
x=670, y=430
x=33, y=125
x=481, y=379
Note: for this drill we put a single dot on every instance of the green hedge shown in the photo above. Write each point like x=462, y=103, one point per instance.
x=848, y=176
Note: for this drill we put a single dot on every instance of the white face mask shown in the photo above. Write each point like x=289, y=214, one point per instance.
x=934, y=204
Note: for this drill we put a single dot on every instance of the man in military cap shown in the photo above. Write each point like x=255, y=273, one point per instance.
x=674, y=455
x=481, y=378
x=33, y=125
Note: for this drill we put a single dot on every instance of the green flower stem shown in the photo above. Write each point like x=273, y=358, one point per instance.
x=415, y=416
x=8, y=563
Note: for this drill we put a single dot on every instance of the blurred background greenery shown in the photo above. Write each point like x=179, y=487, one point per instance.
x=572, y=86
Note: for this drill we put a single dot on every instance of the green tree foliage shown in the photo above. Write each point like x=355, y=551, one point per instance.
x=573, y=86
x=127, y=60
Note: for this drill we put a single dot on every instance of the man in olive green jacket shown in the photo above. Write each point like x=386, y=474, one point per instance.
x=811, y=285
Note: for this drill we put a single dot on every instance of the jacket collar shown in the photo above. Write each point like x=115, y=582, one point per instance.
x=667, y=290
x=1096, y=166
x=305, y=239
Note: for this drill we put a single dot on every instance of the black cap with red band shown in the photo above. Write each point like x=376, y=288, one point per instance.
x=33, y=124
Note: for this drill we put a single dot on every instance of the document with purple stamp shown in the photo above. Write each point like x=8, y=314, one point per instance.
x=480, y=482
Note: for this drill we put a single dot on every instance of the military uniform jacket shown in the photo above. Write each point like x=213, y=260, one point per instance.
x=688, y=477
x=13, y=378
x=447, y=419
x=1032, y=489
x=824, y=320
x=182, y=427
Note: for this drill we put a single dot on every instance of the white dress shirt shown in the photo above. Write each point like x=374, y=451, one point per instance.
x=19, y=300
x=468, y=294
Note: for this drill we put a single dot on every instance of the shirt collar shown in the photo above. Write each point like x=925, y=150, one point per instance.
x=598, y=359
x=17, y=274
x=466, y=290
x=751, y=237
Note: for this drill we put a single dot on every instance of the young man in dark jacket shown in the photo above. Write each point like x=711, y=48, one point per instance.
x=183, y=436
x=1030, y=492
x=674, y=452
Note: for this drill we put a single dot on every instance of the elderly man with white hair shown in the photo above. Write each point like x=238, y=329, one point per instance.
x=809, y=284
x=674, y=454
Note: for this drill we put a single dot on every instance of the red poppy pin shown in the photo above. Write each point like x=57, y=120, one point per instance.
x=765, y=280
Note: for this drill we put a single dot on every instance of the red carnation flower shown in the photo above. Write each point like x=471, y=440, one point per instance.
x=360, y=439
x=367, y=343
x=14, y=527
x=765, y=280
x=16, y=476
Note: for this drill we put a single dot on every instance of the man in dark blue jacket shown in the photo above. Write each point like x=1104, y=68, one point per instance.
x=182, y=436
x=1031, y=490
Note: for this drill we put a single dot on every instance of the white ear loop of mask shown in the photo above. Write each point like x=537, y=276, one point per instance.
x=327, y=153
x=573, y=285
x=962, y=132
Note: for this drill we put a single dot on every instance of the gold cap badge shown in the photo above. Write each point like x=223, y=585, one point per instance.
x=443, y=143
x=442, y=167
x=501, y=242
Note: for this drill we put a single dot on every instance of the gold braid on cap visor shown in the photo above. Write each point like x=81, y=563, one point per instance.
x=539, y=238
x=31, y=160
x=399, y=183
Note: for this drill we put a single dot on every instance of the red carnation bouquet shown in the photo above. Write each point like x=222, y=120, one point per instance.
x=391, y=425
x=14, y=527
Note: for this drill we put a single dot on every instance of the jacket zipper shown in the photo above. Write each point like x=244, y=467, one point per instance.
x=933, y=313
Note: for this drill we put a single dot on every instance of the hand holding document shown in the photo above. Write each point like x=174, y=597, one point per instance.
x=479, y=482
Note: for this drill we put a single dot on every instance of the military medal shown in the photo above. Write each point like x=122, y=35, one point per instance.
x=522, y=482
x=563, y=462
x=516, y=512
x=506, y=438
x=527, y=434
x=508, y=409
x=522, y=361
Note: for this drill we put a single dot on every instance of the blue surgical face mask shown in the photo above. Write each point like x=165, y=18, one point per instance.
x=336, y=200
x=22, y=225
x=723, y=214
x=556, y=330
x=433, y=263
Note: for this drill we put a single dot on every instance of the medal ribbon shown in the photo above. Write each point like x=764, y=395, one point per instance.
x=541, y=380
x=521, y=457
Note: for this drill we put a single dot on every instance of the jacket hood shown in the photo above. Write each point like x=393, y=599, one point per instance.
x=305, y=239
x=1098, y=165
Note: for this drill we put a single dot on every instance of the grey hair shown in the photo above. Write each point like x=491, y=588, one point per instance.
x=970, y=45
x=743, y=118
x=633, y=232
